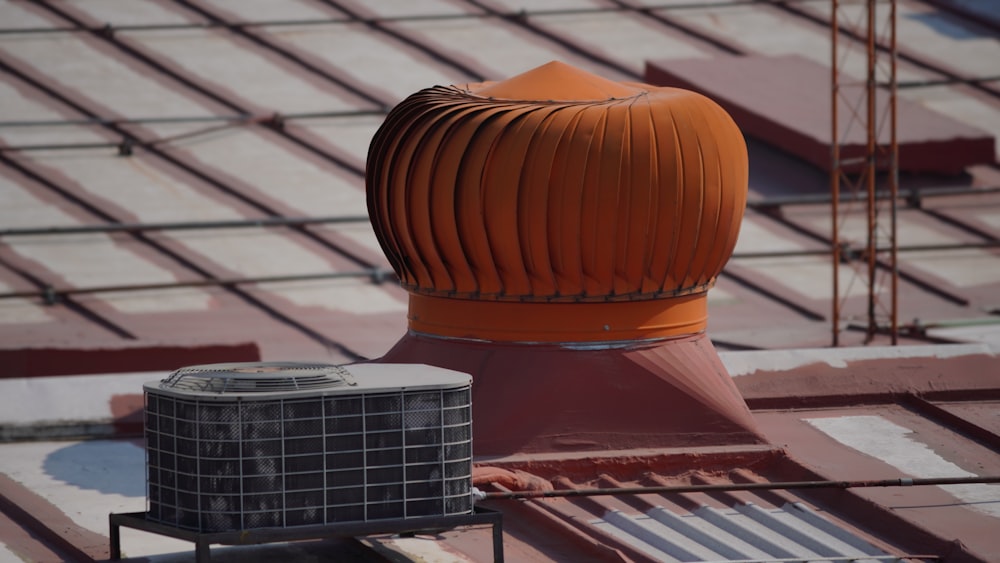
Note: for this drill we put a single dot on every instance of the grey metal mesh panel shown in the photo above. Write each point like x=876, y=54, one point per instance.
x=232, y=465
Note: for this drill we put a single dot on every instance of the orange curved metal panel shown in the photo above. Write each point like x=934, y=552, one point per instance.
x=557, y=185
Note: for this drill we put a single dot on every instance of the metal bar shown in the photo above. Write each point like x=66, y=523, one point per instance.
x=758, y=205
x=910, y=195
x=848, y=253
x=182, y=226
x=945, y=81
x=59, y=146
x=728, y=487
x=51, y=294
x=189, y=119
x=871, y=136
x=893, y=176
x=834, y=178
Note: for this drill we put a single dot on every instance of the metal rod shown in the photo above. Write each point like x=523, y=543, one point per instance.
x=912, y=195
x=729, y=487
x=190, y=118
x=871, y=149
x=51, y=294
x=893, y=176
x=182, y=226
x=945, y=81
x=757, y=205
x=848, y=253
x=834, y=178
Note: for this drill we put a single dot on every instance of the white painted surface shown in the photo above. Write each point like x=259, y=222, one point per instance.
x=985, y=333
x=502, y=49
x=153, y=196
x=265, y=10
x=991, y=218
x=423, y=549
x=89, y=260
x=87, y=481
x=542, y=5
x=355, y=50
x=8, y=556
x=350, y=295
x=811, y=276
x=242, y=71
x=78, y=398
x=901, y=448
x=352, y=135
x=138, y=13
x=627, y=39
x=745, y=363
x=961, y=268
x=961, y=48
x=402, y=8
x=13, y=15
x=275, y=170
x=17, y=106
x=20, y=311
x=116, y=86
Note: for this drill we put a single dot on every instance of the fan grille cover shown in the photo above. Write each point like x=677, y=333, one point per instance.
x=241, y=446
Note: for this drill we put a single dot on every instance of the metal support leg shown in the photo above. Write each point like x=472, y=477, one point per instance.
x=202, y=553
x=116, y=538
x=498, y=540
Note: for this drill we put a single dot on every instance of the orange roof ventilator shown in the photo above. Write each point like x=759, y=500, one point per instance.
x=556, y=207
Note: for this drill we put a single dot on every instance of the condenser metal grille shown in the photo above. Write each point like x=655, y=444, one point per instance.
x=350, y=455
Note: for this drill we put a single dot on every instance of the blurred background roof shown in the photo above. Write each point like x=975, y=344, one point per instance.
x=188, y=174
x=182, y=181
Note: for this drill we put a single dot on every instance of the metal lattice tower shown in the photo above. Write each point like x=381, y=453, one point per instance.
x=864, y=175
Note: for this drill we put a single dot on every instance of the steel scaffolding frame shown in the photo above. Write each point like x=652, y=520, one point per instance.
x=878, y=266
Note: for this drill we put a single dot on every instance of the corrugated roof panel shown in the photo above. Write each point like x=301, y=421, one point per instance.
x=745, y=532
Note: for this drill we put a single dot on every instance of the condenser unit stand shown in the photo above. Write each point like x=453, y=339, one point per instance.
x=202, y=540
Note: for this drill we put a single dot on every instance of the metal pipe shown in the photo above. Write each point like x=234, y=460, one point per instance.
x=945, y=81
x=51, y=294
x=835, y=172
x=848, y=253
x=182, y=226
x=758, y=205
x=910, y=195
x=893, y=177
x=190, y=118
x=732, y=487
x=871, y=147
